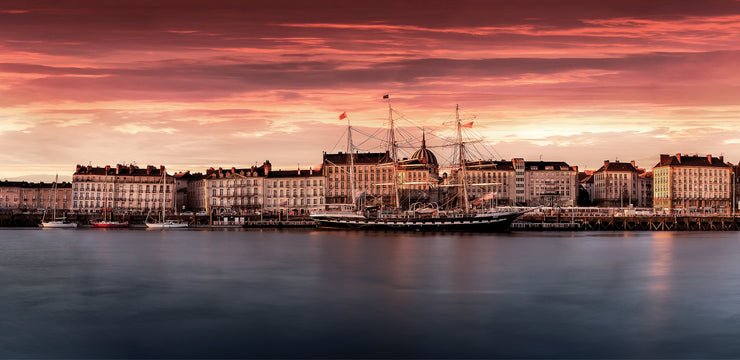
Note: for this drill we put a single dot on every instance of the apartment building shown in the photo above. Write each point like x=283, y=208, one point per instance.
x=122, y=188
x=294, y=192
x=692, y=184
x=25, y=196
x=520, y=182
x=230, y=191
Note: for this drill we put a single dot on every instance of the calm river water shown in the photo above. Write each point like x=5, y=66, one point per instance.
x=235, y=294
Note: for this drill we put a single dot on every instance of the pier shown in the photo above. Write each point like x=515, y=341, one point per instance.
x=630, y=222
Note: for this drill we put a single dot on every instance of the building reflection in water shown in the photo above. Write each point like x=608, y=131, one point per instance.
x=660, y=278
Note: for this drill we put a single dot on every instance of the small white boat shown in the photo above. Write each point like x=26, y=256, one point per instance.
x=164, y=223
x=56, y=223
x=169, y=224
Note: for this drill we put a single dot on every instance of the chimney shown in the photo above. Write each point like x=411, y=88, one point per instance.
x=131, y=168
x=118, y=168
x=678, y=157
x=709, y=158
x=107, y=169
x=722, y=159
x=89, y=168
x=606, y=164
x=633, y=163
x=78, y=168
x=149, y=169
x=161, y=168
x=233, y=170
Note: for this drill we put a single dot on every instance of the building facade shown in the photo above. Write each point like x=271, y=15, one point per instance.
x=25, y=196
x=616, y=184
x=294, y=192
x=416, y=178
x=122, y=188
x=373, y=173
x=520, y=182
x=692, y=184
x=231, y=191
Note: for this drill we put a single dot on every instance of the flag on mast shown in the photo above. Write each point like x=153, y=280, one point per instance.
x=386, y=96
x=468, y=125
x=343, y=116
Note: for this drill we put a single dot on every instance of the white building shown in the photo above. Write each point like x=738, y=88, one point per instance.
x=123, y=188
x=294, y=192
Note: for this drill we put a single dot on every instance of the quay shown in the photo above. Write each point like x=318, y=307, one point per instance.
x=534, y=221
x=618, y=222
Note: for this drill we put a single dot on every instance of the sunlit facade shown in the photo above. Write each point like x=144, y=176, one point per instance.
x=692, y=184
x=122, y=188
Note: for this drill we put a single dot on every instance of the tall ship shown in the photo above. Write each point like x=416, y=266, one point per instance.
x=56, y=222
x=408, y=193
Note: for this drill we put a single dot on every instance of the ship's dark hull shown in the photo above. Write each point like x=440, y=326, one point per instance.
x=494, y=223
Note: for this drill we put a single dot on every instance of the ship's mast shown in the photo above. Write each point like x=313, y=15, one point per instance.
x=461, y=159
x=164, y=189
x=393, y=153
x=105, y=197
x=351, y=160
x=54, y=211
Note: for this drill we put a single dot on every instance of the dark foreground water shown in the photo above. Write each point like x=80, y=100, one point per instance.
x=208, y=294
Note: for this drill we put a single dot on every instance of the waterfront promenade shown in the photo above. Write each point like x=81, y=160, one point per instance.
x=538, y=220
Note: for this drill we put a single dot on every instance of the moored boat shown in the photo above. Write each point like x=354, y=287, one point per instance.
x=56, y=223
x=163, y=222
x=107, y=224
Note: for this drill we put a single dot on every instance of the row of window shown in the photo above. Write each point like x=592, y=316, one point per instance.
x=120, y=188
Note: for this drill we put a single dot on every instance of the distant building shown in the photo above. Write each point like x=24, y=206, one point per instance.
x=616, y=184
x=25, y=196
x=692, y=184
x=520, y=182
x=239, y=191
x=122, y=188
x=373, y=177
x=417, y=178
x=645, y=189
x=294, y=192
x=586, y=188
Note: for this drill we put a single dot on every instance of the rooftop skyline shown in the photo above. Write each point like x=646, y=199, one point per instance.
x=192, y=84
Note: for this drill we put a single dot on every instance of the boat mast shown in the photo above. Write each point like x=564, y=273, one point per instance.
x=54, y=211
x=393, y=153
x=351, y=160
x=164, y=188
x=105, y=197
x=461, y=159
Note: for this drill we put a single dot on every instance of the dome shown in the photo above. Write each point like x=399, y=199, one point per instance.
x=425, y=155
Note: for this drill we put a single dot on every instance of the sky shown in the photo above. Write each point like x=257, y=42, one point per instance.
x=198, y=84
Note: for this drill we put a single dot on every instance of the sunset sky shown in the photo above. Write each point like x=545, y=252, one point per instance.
x=194, y=84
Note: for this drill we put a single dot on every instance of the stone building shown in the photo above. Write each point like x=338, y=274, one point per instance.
x=25, y=196
x=417, y=178
x=294, y=192
x=122, y=188
x=692, y=184
x=616, y=184
x=230, y=191
x=520, y=182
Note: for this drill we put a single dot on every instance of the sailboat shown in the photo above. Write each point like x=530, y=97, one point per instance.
x=55, y=222
x=460, y=218
x=163, y=223
x=106, y=222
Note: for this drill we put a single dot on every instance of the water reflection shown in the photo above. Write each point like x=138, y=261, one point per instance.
x=660, y=273
x=83, y=294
